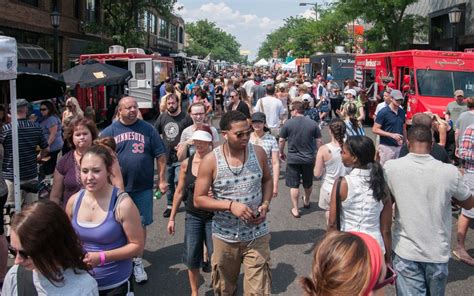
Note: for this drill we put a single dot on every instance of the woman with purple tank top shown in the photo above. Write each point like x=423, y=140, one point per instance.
x=79, y=134
x=107, y=222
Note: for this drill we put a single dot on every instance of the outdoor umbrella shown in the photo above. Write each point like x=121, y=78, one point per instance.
x=93, y=73
x=34, y=84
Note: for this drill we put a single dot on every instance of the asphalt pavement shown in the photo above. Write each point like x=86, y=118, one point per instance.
x=292, y=243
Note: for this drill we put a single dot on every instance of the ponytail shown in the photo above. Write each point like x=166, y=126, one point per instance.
x=308, y=286
x=377, y=181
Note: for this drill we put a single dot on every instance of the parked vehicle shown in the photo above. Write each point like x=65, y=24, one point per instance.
x=148, y=70
x=427, y=78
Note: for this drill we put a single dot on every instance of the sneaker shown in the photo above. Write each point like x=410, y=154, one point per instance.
x=167, y=213
x=138, y=271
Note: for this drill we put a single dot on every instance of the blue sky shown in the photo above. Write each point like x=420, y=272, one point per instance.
x=249, y=21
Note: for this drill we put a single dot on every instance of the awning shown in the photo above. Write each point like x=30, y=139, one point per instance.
x=30, y=52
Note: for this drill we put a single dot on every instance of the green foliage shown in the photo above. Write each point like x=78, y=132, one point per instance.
x=206, y=38
x=392, y=28
x=303, y=37
x=121, y=19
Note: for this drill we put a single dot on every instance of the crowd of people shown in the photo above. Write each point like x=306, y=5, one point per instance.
x=375, y=194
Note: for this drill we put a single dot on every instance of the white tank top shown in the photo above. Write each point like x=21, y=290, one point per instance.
x=333, y=167
x=360, y=211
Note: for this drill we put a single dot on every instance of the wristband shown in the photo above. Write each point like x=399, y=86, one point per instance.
x=230, y=206
x=102, y=258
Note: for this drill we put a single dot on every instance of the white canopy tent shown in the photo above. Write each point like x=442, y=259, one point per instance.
x=261, y=63
x=291, y=66
x=8, y=71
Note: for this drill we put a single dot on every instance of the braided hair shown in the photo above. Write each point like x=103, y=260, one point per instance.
x=338, y=129
x=351, y=111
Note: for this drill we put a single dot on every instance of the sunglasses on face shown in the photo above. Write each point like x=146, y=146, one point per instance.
x=390, y=278
x=44, y=109
x=16, y=252
x=244, y=133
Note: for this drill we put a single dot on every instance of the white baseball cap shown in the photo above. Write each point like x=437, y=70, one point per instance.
x=351, y=91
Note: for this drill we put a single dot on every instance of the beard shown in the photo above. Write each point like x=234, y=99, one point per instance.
x=172, y=109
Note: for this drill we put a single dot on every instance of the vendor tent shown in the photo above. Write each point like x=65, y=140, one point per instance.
x=8, y=71
x=291, y=66
x=261, y=63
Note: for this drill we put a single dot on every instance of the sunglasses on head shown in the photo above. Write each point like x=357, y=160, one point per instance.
x=16, y=252
x=390, y=278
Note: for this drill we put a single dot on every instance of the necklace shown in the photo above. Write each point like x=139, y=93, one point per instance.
x=227, y=163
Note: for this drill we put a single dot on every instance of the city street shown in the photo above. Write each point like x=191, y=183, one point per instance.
x=291, y=245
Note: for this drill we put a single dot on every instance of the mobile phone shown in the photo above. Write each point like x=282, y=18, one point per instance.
x=256, y=214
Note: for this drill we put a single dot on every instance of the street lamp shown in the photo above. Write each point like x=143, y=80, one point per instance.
x=454, y=18
x=55, y=19
x=315, y=7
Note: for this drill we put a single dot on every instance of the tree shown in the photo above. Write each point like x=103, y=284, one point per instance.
x=305, y=36
x=122, y=17
x=206, y=38
x=392, y=28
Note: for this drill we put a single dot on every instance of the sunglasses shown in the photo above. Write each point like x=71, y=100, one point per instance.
x=15, y=252
x=390, y=278
x=69, y=106
x=44, y=109
x=244, y=133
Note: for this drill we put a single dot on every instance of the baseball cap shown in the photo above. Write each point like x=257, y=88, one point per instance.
x=21, y=103
x=329, y=77
x=259, y=116
x=307, y=83
x=459, y=92
x=201, y=136
x=351, y=91
x=396, y=95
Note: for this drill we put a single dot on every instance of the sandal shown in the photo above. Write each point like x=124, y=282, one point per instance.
x=469, y=261
x=306, y=206
x=296, y=216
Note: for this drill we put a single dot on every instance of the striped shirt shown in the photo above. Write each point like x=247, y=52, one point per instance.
x=466, y=149
x=30, y=135
x=245, y=188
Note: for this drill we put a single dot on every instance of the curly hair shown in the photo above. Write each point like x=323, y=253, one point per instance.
x=77, y=121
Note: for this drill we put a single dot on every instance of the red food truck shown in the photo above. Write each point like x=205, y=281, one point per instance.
x=427, y=78
x=148, y=70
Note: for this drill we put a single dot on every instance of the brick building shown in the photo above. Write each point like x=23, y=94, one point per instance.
x=30, y=23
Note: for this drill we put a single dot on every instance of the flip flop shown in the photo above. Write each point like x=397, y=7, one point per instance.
x=296, y=216
x=306, y=206
x=464, y=260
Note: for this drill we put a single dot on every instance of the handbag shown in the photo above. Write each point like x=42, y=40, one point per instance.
x=338, y=204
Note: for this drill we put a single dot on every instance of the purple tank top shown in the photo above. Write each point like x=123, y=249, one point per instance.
x=108, y=235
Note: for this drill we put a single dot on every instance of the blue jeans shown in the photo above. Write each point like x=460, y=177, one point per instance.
x=420, y=278
x=172, y=176
x=144, y=201
x=197, y=232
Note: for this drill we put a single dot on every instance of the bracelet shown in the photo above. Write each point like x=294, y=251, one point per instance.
x=266, y=203
x=102, y=258
x=230, y=206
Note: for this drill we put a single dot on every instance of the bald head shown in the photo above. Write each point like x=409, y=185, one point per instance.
x=128, y=109
x=422, y=119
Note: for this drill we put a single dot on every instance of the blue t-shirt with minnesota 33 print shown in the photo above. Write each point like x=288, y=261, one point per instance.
x=138, y=145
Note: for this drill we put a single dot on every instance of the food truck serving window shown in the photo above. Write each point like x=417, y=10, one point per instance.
x=437, y=83
x=140, y=71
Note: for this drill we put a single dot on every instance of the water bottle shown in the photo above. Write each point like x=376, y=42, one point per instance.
x=157, y=194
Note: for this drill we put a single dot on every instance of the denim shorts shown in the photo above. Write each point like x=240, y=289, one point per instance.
x=197, y=232
x=144, y=201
